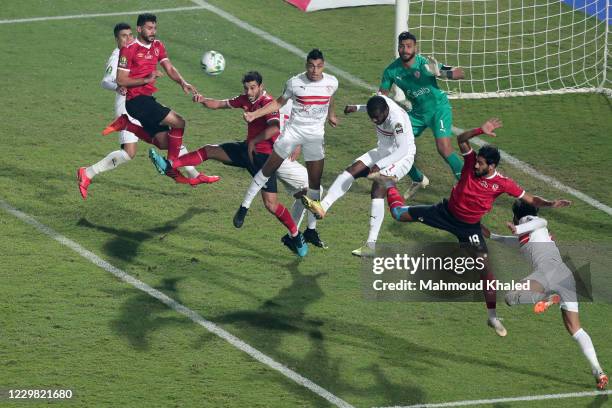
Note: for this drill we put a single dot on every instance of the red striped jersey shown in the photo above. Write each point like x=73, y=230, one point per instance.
x=141, y=59
x=472, y=197
x=260, y=124
x=310, y=100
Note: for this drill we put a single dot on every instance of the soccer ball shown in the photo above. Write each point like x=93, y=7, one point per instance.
x=213, y=62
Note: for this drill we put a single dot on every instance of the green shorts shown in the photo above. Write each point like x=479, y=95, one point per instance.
x=440, y=122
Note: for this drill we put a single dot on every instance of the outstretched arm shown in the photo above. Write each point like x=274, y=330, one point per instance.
x=487, y=128
x=211, y=103
x=176, y=77
x=540, y=202
x=273, y=106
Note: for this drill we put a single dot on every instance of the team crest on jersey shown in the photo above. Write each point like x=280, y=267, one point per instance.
x=399, y=128
x=417, y=74
x=330, y=88
x=157, y=52
x=495, y=186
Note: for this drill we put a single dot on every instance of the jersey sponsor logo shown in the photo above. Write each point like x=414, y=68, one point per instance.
x=420, y=91
x=399, y=128
x=140, y=55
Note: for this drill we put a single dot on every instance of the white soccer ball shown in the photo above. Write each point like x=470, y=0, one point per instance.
x=213, y=62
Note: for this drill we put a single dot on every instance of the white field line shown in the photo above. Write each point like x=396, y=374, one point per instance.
x=174, y=305
x=511, y=399
x=526, y=168
x=203, y=5
x=119, y=13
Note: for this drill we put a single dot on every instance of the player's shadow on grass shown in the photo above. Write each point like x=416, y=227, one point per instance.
x=126, y=243
x=141, y=315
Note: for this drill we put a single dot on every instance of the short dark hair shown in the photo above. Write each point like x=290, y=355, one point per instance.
x=315, y=54
x=376, y=104
x=252, y=76
x=406, y=35
x=521, y=209
x=145, y=18
x=490, y=154
x=119, y=27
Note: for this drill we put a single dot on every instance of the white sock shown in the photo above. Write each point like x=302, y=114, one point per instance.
x=492, y=314
x=340, y=186
x=297, y=212
x=190, y=170
x=112, y=160
x=259, y=181
x=377, y=215
x=585, y=343
x=315, y=195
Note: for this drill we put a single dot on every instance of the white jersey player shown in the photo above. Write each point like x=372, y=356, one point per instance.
x=389, y=161
x=551, y=281
x=127, y=140
x=312, y=95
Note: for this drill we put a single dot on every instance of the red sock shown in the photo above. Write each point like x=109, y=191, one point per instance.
x=191, y=159
x=175, y=141
x=285, y=217
x=394, y=198
x=139, y=132
x=490, y=295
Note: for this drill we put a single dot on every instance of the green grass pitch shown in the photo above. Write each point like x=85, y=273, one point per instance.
x=66, y=323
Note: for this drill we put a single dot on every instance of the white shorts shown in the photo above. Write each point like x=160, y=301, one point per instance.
x=124, y=135
x=293, y=176
x=398, y=169
x=292, y=137
x=558, y=278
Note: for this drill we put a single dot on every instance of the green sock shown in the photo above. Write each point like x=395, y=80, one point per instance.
x=415, y=174
x=455, y=163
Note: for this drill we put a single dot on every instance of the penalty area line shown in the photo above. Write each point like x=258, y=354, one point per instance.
x=519, y=164
x=117, y=13
x=176, y=306
x=510, y=399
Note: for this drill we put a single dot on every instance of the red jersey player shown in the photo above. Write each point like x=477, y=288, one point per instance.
x=251, y=154
x=471, y=198
x=137, y=71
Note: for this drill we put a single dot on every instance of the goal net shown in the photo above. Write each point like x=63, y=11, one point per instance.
x=514, y=47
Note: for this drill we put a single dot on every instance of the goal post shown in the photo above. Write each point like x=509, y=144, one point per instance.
x=514, y=47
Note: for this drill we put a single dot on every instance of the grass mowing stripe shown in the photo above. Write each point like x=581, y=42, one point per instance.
x=117, y=13
x=510, y=399
x=174, y=305
x=359, y=82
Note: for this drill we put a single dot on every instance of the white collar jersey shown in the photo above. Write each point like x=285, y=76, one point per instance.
x=109, y=81
x=311, y=100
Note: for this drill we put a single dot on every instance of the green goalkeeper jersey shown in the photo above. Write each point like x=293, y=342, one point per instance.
x=418, y=84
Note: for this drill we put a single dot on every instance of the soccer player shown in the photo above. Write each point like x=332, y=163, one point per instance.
x=551, y=281
x=127, y=139
x=311, y=92
x=137, y=71
x=393, y=157
x=471, y=198
x=251, y=153
x=416, y=76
